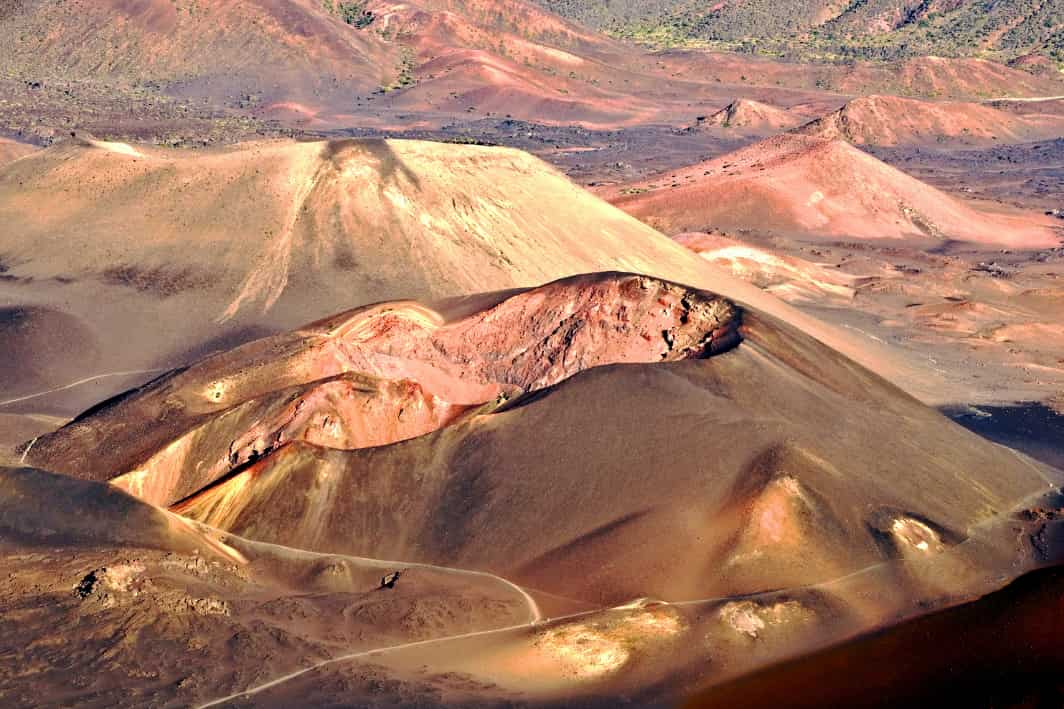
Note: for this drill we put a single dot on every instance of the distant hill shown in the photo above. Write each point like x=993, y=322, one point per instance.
x=869, y=29
x=159, y=256
x=891, y=120
x=803, y=186
x=751, y=115
x=292, y=50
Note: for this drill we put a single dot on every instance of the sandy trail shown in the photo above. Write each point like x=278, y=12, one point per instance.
x=533, y=607
x=368, y=653
x=538, y=618
x=385, y=564
x=80, y=382
x=1029, y=99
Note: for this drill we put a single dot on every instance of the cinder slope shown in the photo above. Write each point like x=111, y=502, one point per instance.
x=36, y=345
x=745, y=469
x=293, y=51
x=890, y=120
x=750, y=115
x=323, y=383
x=764, y=536
x=797, y=185
x=40, y=508
x=795, y=280
x=13, y=150
x=167, y=255
x=515, y=59
x=120, y=603
x=331, y=64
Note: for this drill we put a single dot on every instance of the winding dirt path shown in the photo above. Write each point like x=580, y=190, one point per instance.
x=86, y=380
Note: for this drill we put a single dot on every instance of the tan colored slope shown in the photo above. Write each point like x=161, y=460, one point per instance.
x=787, y=463
x=784, y=497
x=166, y=255
x=891, y=120
x=44, y=508
x=16, y=429
x=13, y=150
x=375, y=376
x=747, y=114
x=198, y=613
x=798, y=185
x=793, y=279
x=296, y=50
x=37, y=343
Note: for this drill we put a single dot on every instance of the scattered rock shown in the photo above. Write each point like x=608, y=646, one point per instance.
x=390, y=580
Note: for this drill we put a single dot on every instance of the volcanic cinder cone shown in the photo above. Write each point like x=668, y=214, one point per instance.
x=444, y=435
x=891, y=120
x=157, y=257
x=798, y=185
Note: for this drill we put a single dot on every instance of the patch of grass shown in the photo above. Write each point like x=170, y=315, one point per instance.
x=405, y=72
x=356, y=14
x=468, y=140
x=353, y=12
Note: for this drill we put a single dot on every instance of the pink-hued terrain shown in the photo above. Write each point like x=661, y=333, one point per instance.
x=315, y=472
x=801, y=185
x=455, y=353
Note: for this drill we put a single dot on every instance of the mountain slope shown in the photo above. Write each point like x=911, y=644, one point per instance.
x=889, y=120
x=200, y=613
x=295, y=50
x=744, y=115
x=816, y=188
x=736, y=491
x=869, y=29
x=163, y=256
x=12, y=150
x=318, y=64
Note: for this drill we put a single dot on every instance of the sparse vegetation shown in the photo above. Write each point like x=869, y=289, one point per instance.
x=824, y=31
x=354, y=13
x=468, y=140
x=404, y=73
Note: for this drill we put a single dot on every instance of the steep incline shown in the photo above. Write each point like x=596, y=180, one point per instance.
x=745, y=468
x=377, y=375
x=773, y=462
x=291, y=51
x=163, y=256
x=311, y=440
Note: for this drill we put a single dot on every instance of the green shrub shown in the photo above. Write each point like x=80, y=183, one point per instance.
x=355, y=14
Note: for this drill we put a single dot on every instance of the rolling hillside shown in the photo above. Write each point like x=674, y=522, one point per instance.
x=869, y=29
